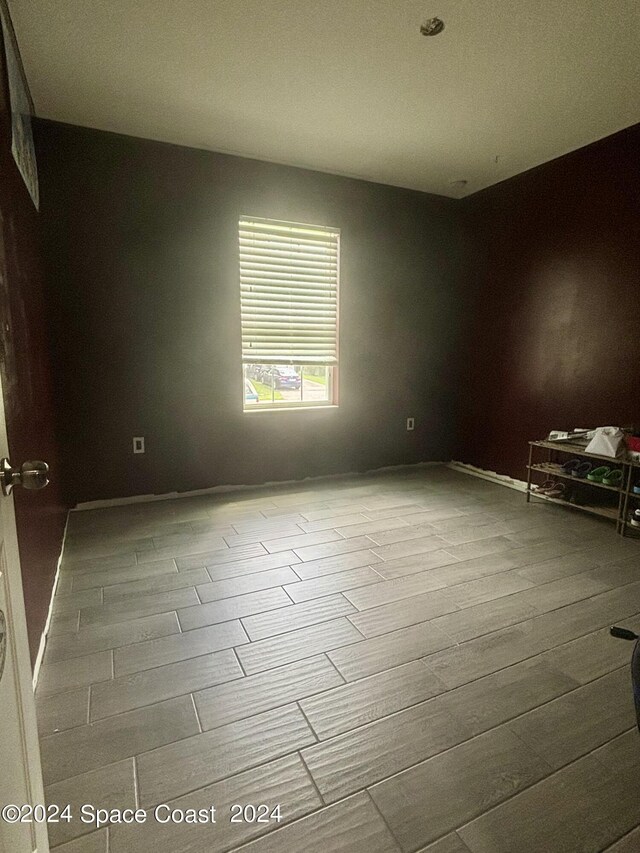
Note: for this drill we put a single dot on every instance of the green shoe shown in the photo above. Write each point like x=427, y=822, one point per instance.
x=613, y=478
x=598, y=474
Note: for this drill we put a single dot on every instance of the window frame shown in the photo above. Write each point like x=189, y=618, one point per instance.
x=334, y=368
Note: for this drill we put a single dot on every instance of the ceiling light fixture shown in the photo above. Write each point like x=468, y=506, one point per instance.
x=432, y=27
x=458, y=185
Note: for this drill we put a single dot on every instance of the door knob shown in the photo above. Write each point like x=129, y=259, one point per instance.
x=32, y=474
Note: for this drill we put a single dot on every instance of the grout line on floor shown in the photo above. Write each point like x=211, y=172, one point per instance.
x=244, y=630
x=382, y=818
x=136, y=782
x=240, y=664
x=286, y=592
x=313, y=781
x=195, y=710
x=307, y=721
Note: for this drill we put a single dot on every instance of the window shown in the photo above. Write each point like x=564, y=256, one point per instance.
x=289, y=309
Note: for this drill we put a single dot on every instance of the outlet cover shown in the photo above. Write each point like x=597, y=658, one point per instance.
x=138, y=444
x=411, y=424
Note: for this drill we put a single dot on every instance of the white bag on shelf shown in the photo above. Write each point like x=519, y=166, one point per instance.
x=608, y=441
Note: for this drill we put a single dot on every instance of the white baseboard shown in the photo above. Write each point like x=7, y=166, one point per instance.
x=499, y=479
x=45, y=631
x=214, y=490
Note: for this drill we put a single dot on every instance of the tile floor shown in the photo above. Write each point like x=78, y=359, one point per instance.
x=415, y=660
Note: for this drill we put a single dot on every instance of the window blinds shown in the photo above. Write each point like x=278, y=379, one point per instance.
x=288, y=292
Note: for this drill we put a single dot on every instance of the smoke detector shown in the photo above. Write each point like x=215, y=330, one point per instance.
x=432, y=27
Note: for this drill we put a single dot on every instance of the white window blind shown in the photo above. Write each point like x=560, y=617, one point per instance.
x=289, y=292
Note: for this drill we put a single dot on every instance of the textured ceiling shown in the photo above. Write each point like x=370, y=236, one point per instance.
x=344, y=86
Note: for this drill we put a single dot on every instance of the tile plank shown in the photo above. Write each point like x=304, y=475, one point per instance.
x=261, y=563
x=506, y=694
x=411, y=547
x=136, y=608
x=63, y=675
x=97, y=842
x=333, y=521
x=111, y=577
x=583, y=808
x=215, y=590
x=402, y=613
x=451, y=843
x=73, y=601
x=351, y=761
x=102, y=637
x=283, y=781
x=178, y=768
x=100, y=564
x=560, y=731
x=61, y=711
x=220, y=557
x=128, y=692
x=370, y=656
x=296, y=645
x=469, y=550
x=367, y=528
x=176, y=647
x=590, y=656
x=352, y=826
x=254, y=694
x=402, y=566
x=226, y=609
x=96, y=745
x=111, y=787
x=158, y=583
x=350, y=706
x=332, y=549
x=295, y=616
x=328, y=584
x=487, y=589
x=435, y=797
x=338, y=563
x=192, y=546
x=392, y=590
x=264, y=534
x=301, y=540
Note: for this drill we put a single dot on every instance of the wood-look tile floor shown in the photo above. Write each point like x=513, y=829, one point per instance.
x=414, y=660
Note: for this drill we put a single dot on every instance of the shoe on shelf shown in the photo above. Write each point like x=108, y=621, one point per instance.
x=598, y=474
x=544, y=487
x=570, y=466
x=557, y=492
x=582, y=470
x=613, y=478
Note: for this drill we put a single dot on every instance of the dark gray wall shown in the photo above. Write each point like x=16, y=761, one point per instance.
x=142, y=263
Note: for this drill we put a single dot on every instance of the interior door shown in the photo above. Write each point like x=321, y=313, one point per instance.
x=20, y=773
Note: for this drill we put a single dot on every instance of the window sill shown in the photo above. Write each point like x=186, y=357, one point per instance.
x=272, y=409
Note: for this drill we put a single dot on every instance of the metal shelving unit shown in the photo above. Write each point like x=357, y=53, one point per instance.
x=550, y=468
x=630, y=495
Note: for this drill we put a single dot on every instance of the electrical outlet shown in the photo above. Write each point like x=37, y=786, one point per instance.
x=138, y=444
x=411, y=424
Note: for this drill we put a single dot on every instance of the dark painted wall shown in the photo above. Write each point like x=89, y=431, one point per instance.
x=556, y=303
x=26, y=378
x=142, y=263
